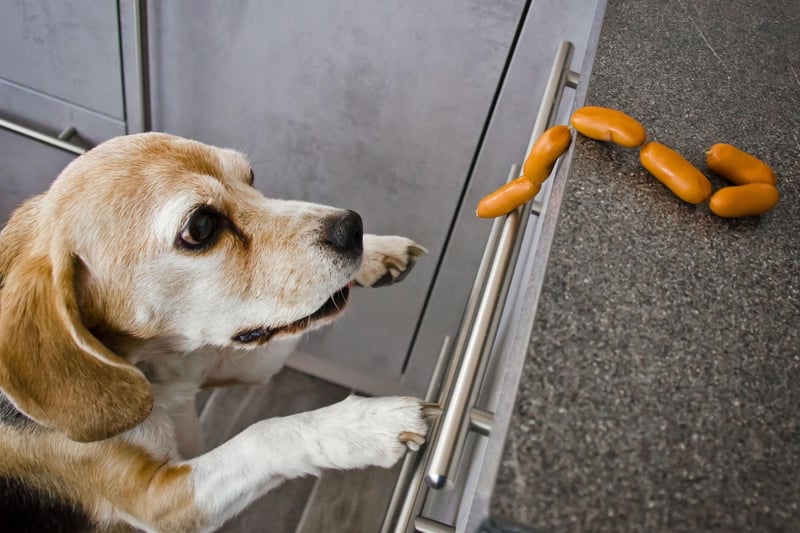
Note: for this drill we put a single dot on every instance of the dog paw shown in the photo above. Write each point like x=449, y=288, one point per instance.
x=379, y=431
x=387, y=260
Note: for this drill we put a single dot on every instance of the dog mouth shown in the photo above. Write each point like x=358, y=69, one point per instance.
x=332, y=306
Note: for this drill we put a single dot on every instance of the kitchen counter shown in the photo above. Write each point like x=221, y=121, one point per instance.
x=661, y=389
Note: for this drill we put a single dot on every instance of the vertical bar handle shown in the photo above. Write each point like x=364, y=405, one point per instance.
x=466, y=367
x=447, y=444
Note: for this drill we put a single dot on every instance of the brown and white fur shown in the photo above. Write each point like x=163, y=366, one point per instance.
x=150, y=269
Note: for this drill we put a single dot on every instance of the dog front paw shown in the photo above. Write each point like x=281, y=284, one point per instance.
x=379, y=431
x=387, y=260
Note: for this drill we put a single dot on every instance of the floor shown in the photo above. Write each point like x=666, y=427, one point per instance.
x=351, y=501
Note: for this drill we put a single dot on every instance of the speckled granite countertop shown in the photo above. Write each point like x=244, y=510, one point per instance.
x=662, y=385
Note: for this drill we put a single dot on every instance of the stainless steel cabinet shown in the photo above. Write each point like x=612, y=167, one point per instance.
x=402, y=111
x=375, y=106
x=64, y=66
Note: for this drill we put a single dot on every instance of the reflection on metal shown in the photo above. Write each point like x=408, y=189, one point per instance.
x=480, y=421
x=426, y=525
x=436, y=463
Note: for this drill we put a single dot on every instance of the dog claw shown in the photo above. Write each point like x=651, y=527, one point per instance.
x=430, y=409
x=400, y=277
x=412, y=440
x=394, y=264
x=415, y=250
x=387, y=260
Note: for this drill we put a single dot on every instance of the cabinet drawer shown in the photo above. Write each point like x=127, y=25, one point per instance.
x=50, y=116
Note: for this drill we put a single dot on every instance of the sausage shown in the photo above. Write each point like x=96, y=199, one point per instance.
x=507, y=198
x=545, y=152
x=744, y=200
x=737, y=166
x=671, y=169
x=604, y=124
x=537, y=167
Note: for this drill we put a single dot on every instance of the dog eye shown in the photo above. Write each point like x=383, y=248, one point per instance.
x=252, y=177
x=201, y=229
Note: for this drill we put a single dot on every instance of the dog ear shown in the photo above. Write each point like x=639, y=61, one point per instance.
x=51, y=367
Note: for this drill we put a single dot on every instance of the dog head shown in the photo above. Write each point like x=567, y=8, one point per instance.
x=154, y=237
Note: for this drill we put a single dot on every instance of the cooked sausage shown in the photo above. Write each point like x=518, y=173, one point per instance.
x=737, y=166
x=604, y=124
x=507, y=198
x=744, y=200
x=545, y=152
x=671, y=169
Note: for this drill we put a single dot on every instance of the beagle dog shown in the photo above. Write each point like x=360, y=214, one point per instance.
x=150, y=269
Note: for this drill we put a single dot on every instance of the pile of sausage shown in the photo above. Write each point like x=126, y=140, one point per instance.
x=754, y=191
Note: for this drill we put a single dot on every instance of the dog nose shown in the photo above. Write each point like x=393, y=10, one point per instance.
x=345, y=232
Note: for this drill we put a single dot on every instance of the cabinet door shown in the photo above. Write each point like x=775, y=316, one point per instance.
x=64, y=49
x=28, y=169
x=373, y=106
x=61, y=70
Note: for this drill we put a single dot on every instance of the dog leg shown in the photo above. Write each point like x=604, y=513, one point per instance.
x=354, y=433
x=387, y=259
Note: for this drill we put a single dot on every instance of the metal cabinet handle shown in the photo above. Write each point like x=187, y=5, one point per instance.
x=438, y=461
x=447, y=446
x=404, y=504
x=59, y=142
